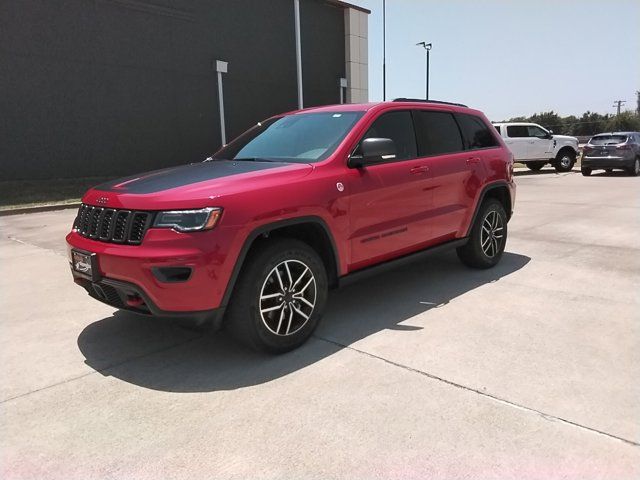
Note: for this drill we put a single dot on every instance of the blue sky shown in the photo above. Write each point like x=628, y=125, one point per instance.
x=510, y=58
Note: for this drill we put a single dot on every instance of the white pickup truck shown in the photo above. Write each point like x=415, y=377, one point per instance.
x=535, y=146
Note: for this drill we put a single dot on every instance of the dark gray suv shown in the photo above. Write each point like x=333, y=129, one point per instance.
x=620, y=150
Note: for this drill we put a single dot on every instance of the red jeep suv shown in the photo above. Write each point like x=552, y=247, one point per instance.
x=256, y=235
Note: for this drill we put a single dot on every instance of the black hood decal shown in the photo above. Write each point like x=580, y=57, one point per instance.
x=167, y=178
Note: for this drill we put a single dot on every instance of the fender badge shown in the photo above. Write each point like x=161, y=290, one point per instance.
x=340, y=187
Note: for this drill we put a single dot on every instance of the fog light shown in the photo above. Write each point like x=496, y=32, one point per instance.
x=172, y=274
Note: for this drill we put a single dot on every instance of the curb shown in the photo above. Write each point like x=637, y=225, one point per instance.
x=38, y=208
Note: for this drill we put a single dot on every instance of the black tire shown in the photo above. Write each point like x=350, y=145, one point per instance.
x=635, y=170
x=535, y=166
x=565, y=160
x=473, y=254
x=246, y=320
x=586, y=171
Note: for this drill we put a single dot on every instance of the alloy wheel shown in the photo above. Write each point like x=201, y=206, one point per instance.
x=565, y=161
x=492, y=234
x=288, y=297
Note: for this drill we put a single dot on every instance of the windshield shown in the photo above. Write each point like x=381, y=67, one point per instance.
x=299, y=138
x=608, y=139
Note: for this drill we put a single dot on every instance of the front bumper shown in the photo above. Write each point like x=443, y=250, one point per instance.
x=132, y=271
x=607, y=162
x=127, y=296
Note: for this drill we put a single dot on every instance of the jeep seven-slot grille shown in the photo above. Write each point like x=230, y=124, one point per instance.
x=111, y=225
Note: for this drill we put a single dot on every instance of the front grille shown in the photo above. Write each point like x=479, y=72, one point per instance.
x=112, y=225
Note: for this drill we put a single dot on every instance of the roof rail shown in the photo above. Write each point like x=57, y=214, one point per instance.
x=428, y=101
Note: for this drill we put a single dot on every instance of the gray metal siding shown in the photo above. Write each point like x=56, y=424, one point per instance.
x=112, y=87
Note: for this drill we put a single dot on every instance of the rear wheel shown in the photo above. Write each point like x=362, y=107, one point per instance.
x=535, y=166
x=635, y=170
x=586, y=171
x=488, y=236
x=565, y=160
x=279, y=298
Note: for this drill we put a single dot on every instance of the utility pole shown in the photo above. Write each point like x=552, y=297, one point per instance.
x=618, y=104
x=638, y=102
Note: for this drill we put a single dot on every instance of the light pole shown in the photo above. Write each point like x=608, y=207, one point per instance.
x=221, y=67
x=384, y=51
x=342, y=83
x=296, y=14
x=427, y=47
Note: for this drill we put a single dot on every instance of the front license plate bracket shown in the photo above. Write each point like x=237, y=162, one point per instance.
x=85, y=264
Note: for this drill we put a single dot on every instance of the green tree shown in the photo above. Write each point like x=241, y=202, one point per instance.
x=570, y=123
x=591, y=123
x=516, y=119
x=625, y=122
x=549, y=120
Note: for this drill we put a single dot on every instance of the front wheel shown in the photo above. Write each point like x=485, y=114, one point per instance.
x=488, y=237
x=280, y=296
x=635, y=170
x=565, y=161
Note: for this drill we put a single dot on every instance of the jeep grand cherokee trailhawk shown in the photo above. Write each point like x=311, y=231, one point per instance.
x=255, y=236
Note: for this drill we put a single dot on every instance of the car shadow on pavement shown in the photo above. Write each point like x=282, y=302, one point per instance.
x=544, y=171
x=160, y=355
x=614, y=173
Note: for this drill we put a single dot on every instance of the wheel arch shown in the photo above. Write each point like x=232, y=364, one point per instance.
x=497, y=190
x=566, y=148
x=312, y=230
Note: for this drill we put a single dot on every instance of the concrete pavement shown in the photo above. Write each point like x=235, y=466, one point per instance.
x=528, y=370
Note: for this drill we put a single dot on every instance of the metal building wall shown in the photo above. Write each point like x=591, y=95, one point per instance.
x=112, y=87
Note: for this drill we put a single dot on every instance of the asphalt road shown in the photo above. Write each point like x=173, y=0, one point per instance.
x=529, y=370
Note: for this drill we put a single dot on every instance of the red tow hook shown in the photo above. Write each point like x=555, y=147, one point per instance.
x=134, y=300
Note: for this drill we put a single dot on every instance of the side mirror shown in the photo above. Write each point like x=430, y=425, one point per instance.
x=550, y=134
x=373, y=150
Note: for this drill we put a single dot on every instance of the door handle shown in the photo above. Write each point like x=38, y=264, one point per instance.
x=471, y=160
x=418, y=170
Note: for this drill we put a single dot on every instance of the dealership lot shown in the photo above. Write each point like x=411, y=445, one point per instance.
x=528, y=370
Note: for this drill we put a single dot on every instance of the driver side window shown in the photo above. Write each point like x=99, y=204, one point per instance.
x=398, y=126
x=537, y=132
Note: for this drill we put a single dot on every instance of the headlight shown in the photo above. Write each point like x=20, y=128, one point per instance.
x=188, y=220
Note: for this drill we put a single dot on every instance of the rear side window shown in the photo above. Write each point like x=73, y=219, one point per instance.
x=437, y=133
x=497, y=128
x=517, y=131
x=398, y=126
x=476, y=133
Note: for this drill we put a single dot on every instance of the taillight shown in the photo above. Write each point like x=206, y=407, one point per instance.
x=587, y=149
x=623, y=147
